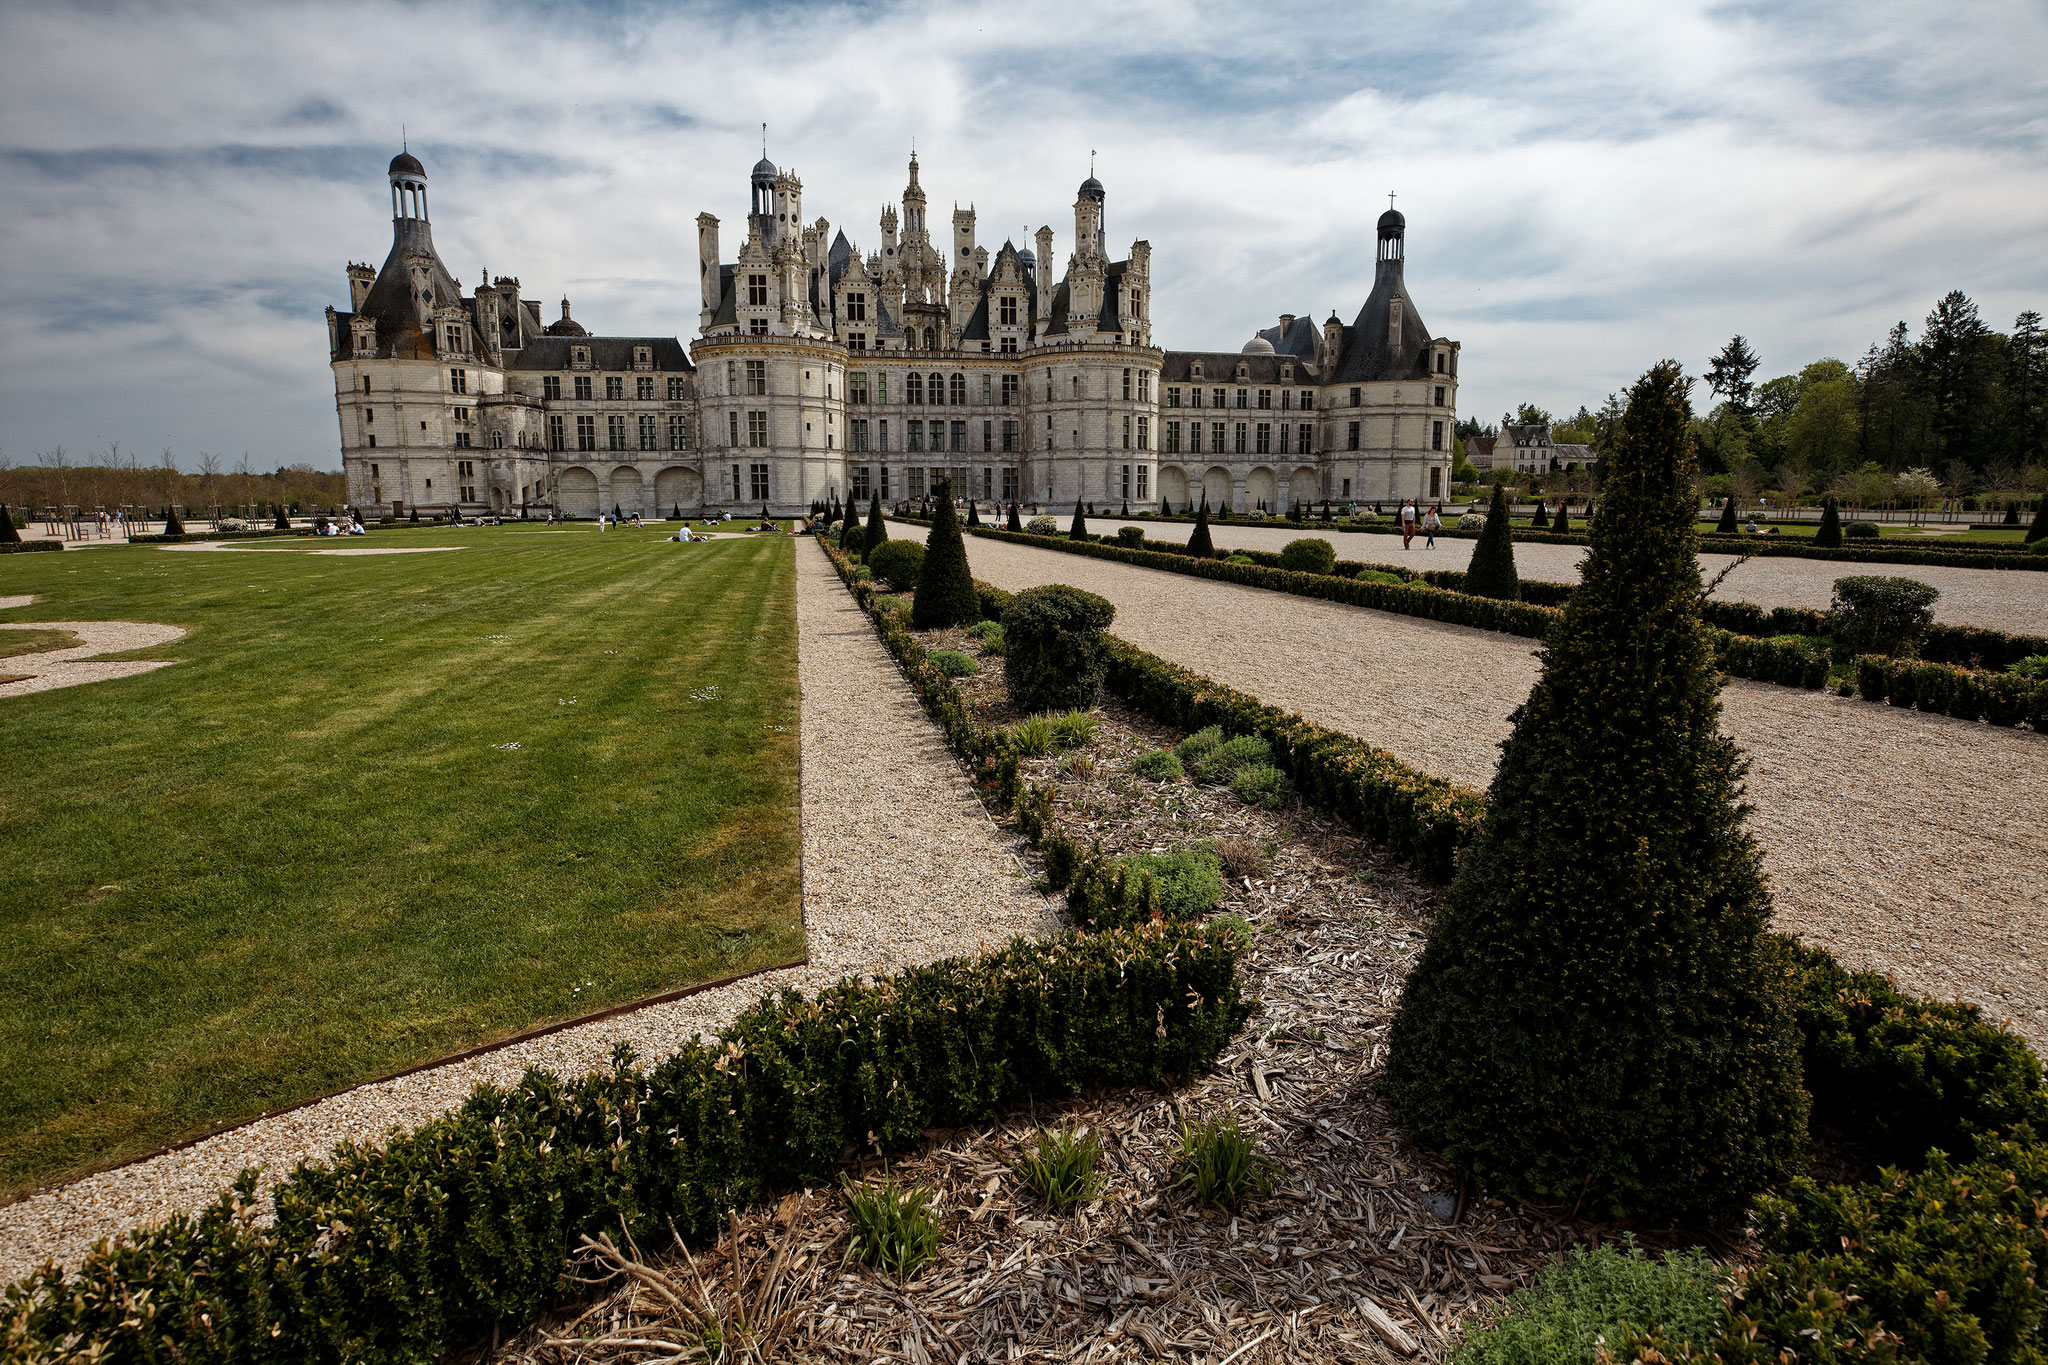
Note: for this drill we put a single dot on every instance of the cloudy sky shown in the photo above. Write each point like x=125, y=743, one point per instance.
x=1589, y=187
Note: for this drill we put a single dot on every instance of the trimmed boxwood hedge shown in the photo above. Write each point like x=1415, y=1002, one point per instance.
x=29, y=547
x=1965, y=693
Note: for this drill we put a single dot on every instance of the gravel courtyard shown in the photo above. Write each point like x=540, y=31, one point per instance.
x=1996, y=599
x=1899, y=841
x=896, y=872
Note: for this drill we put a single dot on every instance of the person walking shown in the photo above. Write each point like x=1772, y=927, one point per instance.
x=1408, y=524
x=1430, y=523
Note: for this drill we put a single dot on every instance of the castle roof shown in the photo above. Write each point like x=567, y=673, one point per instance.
x=1220, y=367
x=1366, y=355
x=606, y=353
x=1298, y=340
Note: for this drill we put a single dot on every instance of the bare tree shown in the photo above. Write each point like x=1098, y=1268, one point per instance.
x=209, y=466
x=53, y=459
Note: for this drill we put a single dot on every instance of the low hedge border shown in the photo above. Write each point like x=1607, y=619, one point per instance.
x=1788, y=659
x=29, y=547
x=1951, y=690
x=404, y=1250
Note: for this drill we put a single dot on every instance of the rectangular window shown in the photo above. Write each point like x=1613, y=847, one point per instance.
x=614, y=387
x=1144, y=482
x=462, y=439
x=1439, y=362
x=913, y=388
x=1283, y=438
x=555, y=440
x=1137, y=303
x=732, y=376
x=1217, y=400
x=914, y=482
x=1011, y=384
x=857, y=434
x=1010, y=434
x=1265, y=398
x=454, y=338
x=757, y=327
x=958, y=389
x=647, y=432
x=1306, y=443
x=1006, y=311
x=1173, y=395
x=960, y=436
x=1126, y=483
x=1347, y=488
x=885, y=483
x=757, y=376
x=1194, y=398
x=586, y=432
x=1144, y=386
x=1009, y=483
x=678, y=432
x=583, y=388
x=757, y=290
x=757, y=429
x=1127, y=431
x=916, y=435
x=735, y=483
x=856, y=307
x=1237, y=447
x=857, y=341
x=757, y=482
x=988, y=435
x=857, y=386
x=1264, y=437
x=1144, y=433
x=1244, y=398
x=643, y=388
x=1008, y=347
x=1436, y=435
x=733, y=434
x=1286, y=399
x=1439, y=396
x=373, y=471
x=988, y=481
x=1173, y=438
x=881, y=436
x=1351, y=437
x=1216, y=438
x=675, y=390
x=881, y=388
x=551, y=386
x=1436, y=486
x=615, y=428
x=458, y=381
x=1308, y=399
x=1357, y=397
x=858, y=492
x=1127, y=384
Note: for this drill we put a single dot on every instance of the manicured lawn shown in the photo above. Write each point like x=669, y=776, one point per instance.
x=300, y=859
x=1929, y=533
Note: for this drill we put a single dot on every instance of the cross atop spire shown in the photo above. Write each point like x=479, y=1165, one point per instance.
x=1390, y=199
x=764, y=140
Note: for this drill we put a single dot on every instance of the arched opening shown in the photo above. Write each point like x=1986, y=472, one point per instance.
x=1216, y=488
x=1304, y=488
x=1261, y=489
x=677, y=489
x=577, y=492
x=626, y=490
x=1173, y=487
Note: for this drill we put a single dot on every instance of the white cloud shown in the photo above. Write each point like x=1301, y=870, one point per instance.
x=1588, y=187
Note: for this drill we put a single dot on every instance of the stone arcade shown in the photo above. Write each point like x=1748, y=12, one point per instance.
x=818, y=370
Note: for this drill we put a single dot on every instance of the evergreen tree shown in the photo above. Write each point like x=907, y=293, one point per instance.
x=1199, y=544
x=1726, y=526
x=1829, y=536
x=1601, y=1017
x=1079, y=530
x=175, y=527
x=1016, y=522
x=1541, y=520
x=415, y=516
x=973, y=512
x=945, y=588
x=281, y=523
x=1166, y=507
x=2039, y=530
x=1326, y=510
x=1728, y=374
x=852, y=535
x=8, y=535
x=2012, y=514
x=1562, y=522
x=1491, y=572
x=877, y=531
x=1127, y=510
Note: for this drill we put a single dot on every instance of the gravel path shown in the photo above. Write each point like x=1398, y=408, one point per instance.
x=895, y=872
x=1900, y=841
x=2014, y=600
x=80, y=663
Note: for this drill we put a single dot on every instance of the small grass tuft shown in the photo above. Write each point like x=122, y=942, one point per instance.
x=1161, y=765
x=1222, y=1162
x=953, y=663
x=1262, y=784
x=1060, y=1166
x=1033, y=736
x=1199, y=745
x=1223, y=763
x=1072, y=729
x=894, y=1228
x=1242, y=857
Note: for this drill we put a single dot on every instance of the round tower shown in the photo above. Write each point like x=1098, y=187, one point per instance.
x=408, y=187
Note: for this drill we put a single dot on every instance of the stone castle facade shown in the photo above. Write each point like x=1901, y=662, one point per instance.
x=819, y=371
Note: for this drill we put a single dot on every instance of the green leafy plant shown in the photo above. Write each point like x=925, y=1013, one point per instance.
x=1160, y=765
x=1239, y=557
x=1874, y=614
x=1595, y=1298
x=1262, y=784
x=893, y=1226
x=1600, y=1017
x=953, y=663
x=1860, y=530
x=1199, y=745
x=990, y=634
x=1222, y=1163
x=1060, y=1166
x=1491, y=572
x=1033, y=736
x=1309, y=555
x=863, y=573
x=897, y=563
x=1072, y=729
x=2033, y=666
x=1053, y=650
x=945, y=588
x=1131, y=537
x=1222, y=764
x=1190, y=880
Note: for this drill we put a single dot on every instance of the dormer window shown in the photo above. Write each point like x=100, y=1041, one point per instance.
x=582, y=355
x=757, y=290
x=1006, y=311
x=1287, y=374
x=643, y=357
x=856, y=307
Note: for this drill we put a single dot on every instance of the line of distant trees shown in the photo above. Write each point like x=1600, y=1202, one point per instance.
x=112, y=479
x=1960, y=411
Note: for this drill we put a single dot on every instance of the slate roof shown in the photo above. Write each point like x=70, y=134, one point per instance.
x=728, y=306
x=1220, y=367
x=977, y=325
x=1299, y=340
x=606, y=353
x=1366, y=356
x=390, y=298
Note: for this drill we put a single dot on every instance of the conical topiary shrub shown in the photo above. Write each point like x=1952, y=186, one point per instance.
x=1726, y=525
x=1127, y=511
x=173, y=526
x=1079, y=530
x=280, y=522
x=8, y=535
x=1200, y=546
x=2039, y=530
x=877, y=532
x=852, y=535
x=1562, y=522
x=1600, y=1018
x=973, y=512
x=1166, y=507
x=945, y=588
x=1492, y=570
x=2012, y=514
x=1829, y=536
x=1016, y=523
x=1541, y=520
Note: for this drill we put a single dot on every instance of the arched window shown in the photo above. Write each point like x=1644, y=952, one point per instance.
x=936, y=388
x=959, y=391
x=928, y=338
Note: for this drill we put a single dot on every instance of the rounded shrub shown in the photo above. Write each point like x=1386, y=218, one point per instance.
x=1239, y=558
x=1600, y=1017
x=953, y=663
x=862, y=573
x=1876, y=614
x=1042, y=526
x=1053, y=656
x=897, y=563
x=1221, y=764
x=1309, y=555
x=1199, y=745
x=1860, y=530
x=1190, y=880
x=1161, y=765
x=1599, y=1297
x=1262, y=784
x=1131, y=537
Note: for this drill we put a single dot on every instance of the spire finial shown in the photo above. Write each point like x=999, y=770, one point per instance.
x=1390, y=199
x=1091, y=162
x=764, y=141
x=402, y=146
